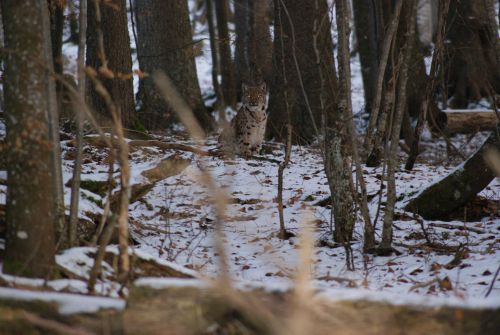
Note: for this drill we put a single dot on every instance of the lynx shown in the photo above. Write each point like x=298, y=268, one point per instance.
x=245, y=134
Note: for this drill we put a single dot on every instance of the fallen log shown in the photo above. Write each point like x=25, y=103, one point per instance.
x=459, y=187
x=467, y=121
x=186, y=306
x=101, y=143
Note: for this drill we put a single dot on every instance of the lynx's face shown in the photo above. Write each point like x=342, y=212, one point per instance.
x=254, y=97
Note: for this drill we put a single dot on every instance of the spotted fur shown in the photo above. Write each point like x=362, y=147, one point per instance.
x=245, y=134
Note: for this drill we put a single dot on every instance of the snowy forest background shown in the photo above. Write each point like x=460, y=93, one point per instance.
x=372, y=207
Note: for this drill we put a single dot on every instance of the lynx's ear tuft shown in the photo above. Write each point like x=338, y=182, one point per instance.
x=244, y=87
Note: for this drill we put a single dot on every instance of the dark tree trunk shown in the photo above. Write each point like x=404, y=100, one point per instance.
x=165, y=44
x=116, y=74
x=227, y=71
x=241, y=25
x=56, y=10
x=366, y=36
x=260, y=45
x=471, y=68
x=459, y=187
x=73, y=22
x=294, y=27
x=32, y=204
x=215, y=62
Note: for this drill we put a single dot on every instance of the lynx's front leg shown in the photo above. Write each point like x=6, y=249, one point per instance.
x=246, y=149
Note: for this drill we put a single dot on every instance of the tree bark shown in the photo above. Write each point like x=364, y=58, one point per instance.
x=345, y=106
x=215, y=62
x=73, y=22
x=260, y=45
x=116, y=72
x=241, y=26
x=56, y=10
x=227, y=71
x=165, y=44
x=32, y=200
x=387, y=41
x=296, y=31
x=459, y=187
x=79, y=118
x=366, y=36
x=409, y=12
x=471, y=68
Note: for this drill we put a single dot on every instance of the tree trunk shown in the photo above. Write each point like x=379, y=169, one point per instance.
x=471, y=67
x=215, y=62
x=260, y=45
x=165, y=44
x=116, y=72
x=32, y=200
x=409, y=14
x=241, y=26
x=459, y=187
x=296, y=31
x=73, y=22
x=227, y=71
x=79, y=119
x=345, y=109
x=366, y=35
x=56, y=11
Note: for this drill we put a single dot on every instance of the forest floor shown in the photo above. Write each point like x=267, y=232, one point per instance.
x=172, y=222
x=172, y=218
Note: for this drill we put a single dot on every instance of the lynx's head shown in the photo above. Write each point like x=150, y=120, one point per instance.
x=254, y=97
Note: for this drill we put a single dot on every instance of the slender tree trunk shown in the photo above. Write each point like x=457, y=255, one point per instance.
x=345, y=106
x=215, y=62
x=427, y=104
x=165, y=44
x=366, y=35
x=227, y=71
x=416, y=85
x=388, y=38
x=409, y=10
x=77, y=170
x=73, y=22
x=32, y=204
x=116, y=74
x=56, y=10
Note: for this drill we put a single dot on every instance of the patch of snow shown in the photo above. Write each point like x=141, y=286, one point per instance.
x=410, y=299
x=68, y=303
x=161, y=283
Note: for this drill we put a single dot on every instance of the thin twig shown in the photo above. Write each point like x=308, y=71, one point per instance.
x=100, y=253
x=490, y=288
